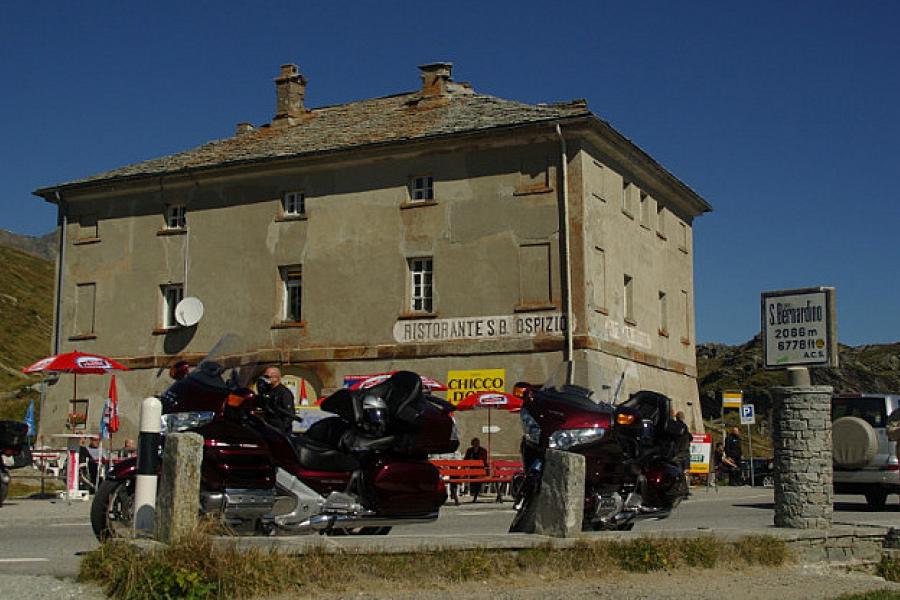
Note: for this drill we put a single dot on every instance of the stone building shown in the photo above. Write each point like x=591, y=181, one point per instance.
x=426, y=230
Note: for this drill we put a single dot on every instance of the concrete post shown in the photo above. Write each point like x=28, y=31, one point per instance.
x=803, y=469
x=560, y=503
x=179, y=486
x=147, y=465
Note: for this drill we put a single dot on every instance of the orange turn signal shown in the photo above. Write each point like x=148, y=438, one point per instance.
x=234, y=400
x=519, y=390
x=625, y=419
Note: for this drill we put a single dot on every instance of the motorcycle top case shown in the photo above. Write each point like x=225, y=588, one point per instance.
x=13, y=434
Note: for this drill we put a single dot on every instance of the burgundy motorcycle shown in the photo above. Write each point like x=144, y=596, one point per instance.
x=633, y=452
x=362, y=471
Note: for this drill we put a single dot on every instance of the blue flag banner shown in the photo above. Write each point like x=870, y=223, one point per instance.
x=104, y=420
x=29, y=419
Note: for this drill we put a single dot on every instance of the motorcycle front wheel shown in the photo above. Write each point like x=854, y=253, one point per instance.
x=112, y=511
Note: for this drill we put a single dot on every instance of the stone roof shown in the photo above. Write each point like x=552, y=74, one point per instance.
x=392, y=119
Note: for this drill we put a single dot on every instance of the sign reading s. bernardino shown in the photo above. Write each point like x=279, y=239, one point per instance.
x=799, y=328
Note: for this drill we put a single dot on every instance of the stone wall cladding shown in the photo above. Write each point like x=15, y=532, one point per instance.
x=803, y=468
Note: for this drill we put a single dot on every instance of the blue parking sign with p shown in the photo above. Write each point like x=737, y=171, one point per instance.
x=747, y=415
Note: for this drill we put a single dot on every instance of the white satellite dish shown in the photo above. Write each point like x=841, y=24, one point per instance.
x=189, y=311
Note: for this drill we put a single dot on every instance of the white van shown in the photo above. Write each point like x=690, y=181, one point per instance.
x=865, y=461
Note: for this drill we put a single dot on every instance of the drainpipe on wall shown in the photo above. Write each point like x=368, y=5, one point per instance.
x=62, y=223
x=565, y=250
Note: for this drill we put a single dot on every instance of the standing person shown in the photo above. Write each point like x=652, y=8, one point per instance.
x=128, y=450
x=733, y=451
x=893, y=430
x=476, y=452
x=683, y=443
x=277, y=400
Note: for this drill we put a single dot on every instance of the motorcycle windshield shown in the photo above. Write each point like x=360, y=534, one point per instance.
x=584, y=379
x=228, y=365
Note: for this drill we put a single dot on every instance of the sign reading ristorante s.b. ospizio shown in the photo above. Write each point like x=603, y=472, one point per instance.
x=476, y=328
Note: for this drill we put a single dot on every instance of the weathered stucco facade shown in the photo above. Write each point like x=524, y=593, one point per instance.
x=490, y=226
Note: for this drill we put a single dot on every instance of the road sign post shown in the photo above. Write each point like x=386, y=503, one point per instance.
x=748, y=418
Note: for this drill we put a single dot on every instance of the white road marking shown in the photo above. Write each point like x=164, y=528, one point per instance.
x=23, y=560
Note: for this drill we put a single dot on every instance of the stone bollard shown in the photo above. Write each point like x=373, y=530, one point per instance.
x=803, y=469
x=178, y=504
x=559, y=508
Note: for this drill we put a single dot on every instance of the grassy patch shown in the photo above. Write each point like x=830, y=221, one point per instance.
x=195, y=568
x=18, y=489
x=889, y=568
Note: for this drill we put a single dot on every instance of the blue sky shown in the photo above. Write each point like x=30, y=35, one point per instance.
x=784, y=116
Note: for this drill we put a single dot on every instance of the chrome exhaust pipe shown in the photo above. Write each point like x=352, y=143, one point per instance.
x=326, y=522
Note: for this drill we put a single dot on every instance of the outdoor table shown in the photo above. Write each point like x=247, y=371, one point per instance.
x=73, y=446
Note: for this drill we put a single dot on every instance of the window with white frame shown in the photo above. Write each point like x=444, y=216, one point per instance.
x=172, y=294
x=421, y=271
x=421, y=188
x=293, y=204
x=175, y=216
x=292, y=294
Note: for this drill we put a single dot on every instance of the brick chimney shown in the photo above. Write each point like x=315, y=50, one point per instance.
x=436, y=79
x=290, y=88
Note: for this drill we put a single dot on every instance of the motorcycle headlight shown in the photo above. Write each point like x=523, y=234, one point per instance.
x=182, y=421
x=530, y=427
x=569, y=438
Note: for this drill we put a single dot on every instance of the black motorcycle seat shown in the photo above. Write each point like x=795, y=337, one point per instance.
x=319, y=457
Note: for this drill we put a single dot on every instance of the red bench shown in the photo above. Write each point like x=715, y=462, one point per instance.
x=499, y=473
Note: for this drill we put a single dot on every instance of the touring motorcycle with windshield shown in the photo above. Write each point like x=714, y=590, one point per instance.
x=361, y=471
x=634, y=452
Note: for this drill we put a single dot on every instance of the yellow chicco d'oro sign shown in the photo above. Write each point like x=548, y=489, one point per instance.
x=732, y=399
x=462, y=383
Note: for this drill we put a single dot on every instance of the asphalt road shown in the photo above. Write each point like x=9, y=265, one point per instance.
x=46, y=536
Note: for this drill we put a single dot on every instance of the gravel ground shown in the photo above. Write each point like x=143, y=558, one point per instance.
x=808, y=582
x=45, y=587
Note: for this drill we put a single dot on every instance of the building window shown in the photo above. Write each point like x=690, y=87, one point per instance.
x=628, y=300
x=645, y=210
x=293, y=204
x=87, y=228
x=421, y=188
x=175, y=216
x=172, y=294
x=535, y=282
x=683, y=246
x=660, y=220
x=85, y=308
x=599, y=280
x=626, y=198
x=663, y=314
x=292, y=293
x=685, y=301
x=421, y=272
x=534, y=175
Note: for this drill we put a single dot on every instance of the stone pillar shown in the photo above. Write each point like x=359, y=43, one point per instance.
x=560, y=503
x=803, y=469
x=178, y=504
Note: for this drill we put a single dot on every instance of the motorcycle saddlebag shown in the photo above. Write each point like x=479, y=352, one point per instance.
x=13, y=435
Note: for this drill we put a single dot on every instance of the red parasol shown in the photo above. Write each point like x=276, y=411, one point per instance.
x=490, y=400
x=75, y=363
x=372, y=380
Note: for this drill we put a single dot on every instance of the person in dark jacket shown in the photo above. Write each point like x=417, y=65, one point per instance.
x=277, y=401
x=476, y=452
x=733, y=451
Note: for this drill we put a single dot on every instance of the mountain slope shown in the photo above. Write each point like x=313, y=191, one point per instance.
x=870, y=368
x=26, y=314
x=44, y=246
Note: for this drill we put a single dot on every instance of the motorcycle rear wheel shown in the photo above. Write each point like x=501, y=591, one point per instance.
x=112, y=511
